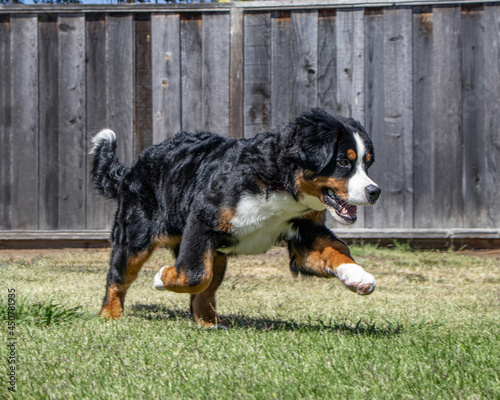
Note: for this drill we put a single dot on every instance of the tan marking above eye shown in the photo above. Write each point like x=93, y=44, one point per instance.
x=351, y=154
x=368, y=158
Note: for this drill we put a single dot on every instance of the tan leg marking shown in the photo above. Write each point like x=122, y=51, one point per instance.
x=324, y=257
x=203, y=304
x=178, y=282
x=115, y=294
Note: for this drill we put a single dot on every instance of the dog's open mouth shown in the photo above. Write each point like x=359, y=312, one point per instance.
x=346, y=211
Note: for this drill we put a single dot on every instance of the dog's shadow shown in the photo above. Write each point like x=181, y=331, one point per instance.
x=240, y=321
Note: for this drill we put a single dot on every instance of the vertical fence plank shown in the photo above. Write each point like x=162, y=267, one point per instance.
x=398, y=118
x=48, y=70
x=72, y=158
x=351, y=71
x=24, y=189
x=5, y=125
x=475, y=207
x=236, y=74
x=350, y=63
x=191, y=67
x=99, y=210
x=327, y=61
x=257, y=73
x=281, y=29
x=215, y=73
x=143, y=121
x=120, y=82
x=374, y=106
x=166, y=75
x=447, y=115
x=422, y=119
x=304, y=53
x=491, y=86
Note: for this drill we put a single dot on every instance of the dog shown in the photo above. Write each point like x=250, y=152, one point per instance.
x=207, y=197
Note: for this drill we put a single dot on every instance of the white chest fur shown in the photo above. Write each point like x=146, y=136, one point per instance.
x=260, y=220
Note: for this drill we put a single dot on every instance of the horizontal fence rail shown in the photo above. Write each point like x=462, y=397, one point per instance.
x=423, y=77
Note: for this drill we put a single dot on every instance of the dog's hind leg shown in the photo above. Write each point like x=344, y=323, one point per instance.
x=203, y=304
x=122, y=272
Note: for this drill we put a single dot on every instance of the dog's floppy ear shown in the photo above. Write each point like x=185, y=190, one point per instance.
x=316, y=135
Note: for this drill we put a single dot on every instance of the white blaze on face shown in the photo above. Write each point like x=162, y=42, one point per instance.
x=360, y=180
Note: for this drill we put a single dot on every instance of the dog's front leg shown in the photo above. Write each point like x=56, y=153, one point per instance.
x=198, y=270
x=193, y=270
x=316, y=251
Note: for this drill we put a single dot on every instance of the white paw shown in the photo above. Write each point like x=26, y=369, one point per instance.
x=355, y=278
x=157, y=282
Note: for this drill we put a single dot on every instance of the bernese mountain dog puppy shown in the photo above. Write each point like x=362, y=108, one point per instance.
x=207, y=197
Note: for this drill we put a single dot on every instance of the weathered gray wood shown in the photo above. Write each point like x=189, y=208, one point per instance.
x=224, y=6
x=166, y=75
x=473, y=57
x=346, y=4
x=236, y=74
x=215, y=73
x=24, y=189
x=455, y=99
x=447, y=114
x=120, y=82
x=99, y=210
x=257, y=73
x=374, y=111
x=5, y=124
x=71, y=157
x=281, y=65
x=398, y=115
x=48, y=70
x=143, y=119
x=357, y=233
x=422, y=120
x=491, y=87
x=350, y=63
x=191, y=75
x=327, y=61
x=351, y=71
x=304, y=53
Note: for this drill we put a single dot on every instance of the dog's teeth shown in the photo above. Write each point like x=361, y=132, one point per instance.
x=331, y=193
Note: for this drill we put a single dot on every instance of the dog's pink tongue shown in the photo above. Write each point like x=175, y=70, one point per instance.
x=349, y=210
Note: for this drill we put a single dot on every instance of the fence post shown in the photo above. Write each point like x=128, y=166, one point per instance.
x=236, y=74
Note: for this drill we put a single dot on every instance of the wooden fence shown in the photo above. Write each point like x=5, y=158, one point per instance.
x=423, y=77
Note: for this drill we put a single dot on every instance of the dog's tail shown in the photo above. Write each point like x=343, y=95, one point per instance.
x=107, y=171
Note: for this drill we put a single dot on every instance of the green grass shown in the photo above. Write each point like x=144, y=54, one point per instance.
x=431, y=330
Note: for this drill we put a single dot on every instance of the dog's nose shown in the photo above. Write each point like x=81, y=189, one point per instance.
x=372, y=193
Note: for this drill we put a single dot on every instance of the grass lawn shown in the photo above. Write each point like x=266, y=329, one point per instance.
x=431, y=330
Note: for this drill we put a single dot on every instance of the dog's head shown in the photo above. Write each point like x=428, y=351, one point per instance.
x=333, y=155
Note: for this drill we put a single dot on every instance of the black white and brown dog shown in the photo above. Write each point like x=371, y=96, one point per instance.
x=207, y=197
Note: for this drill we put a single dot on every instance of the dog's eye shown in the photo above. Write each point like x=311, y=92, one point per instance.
x=344, y=163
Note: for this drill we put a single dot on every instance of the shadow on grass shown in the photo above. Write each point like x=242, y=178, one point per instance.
x=264, y=324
